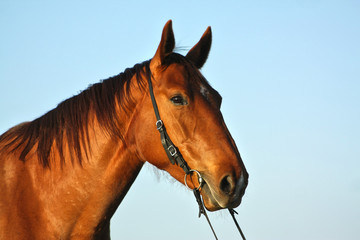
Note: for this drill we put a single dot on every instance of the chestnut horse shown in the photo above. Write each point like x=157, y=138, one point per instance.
x=63, y=175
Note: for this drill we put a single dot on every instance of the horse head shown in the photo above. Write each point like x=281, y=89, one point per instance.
x=190, y=110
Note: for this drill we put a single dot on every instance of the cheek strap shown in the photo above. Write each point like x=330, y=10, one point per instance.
x=171, y=150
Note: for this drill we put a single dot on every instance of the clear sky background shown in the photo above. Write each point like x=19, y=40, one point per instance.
x=289, y=74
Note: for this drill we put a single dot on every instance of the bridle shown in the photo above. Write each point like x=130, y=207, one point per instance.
x=175, y=157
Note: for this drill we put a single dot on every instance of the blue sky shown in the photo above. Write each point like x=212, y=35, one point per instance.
x=289, y=75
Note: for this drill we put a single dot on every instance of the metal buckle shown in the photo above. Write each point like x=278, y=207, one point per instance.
x=159, y=124
x=172, y=150
x=200, y=179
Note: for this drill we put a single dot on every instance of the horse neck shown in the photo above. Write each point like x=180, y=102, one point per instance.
x=92, y=189
x=104, y=179
x=105, y=185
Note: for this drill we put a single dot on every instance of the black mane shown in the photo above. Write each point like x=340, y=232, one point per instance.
x=69, y=120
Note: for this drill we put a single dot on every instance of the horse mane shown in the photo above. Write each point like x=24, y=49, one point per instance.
x=70, y=118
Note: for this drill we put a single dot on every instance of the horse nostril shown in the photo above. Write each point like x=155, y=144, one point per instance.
x=227, y=185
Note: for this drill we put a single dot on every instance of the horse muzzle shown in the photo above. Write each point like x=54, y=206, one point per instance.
x=227, y=193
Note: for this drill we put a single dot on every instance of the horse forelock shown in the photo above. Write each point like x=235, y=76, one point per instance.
x=196, y=81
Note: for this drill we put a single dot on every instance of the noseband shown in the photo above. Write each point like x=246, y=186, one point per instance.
x=175, y=157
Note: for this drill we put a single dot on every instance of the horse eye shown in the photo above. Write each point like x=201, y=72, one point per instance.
x=178, y=100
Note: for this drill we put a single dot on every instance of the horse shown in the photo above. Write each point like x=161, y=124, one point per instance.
x=64, y=174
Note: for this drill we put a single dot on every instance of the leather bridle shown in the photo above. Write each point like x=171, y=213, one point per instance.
x=175, y=157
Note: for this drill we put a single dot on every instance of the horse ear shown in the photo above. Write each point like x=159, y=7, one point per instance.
x=166, y=45
x=199, y=53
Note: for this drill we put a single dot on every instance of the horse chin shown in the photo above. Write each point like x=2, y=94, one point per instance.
x=214, y=201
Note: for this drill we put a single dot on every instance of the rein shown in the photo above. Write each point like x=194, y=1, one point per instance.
x=175, y=157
